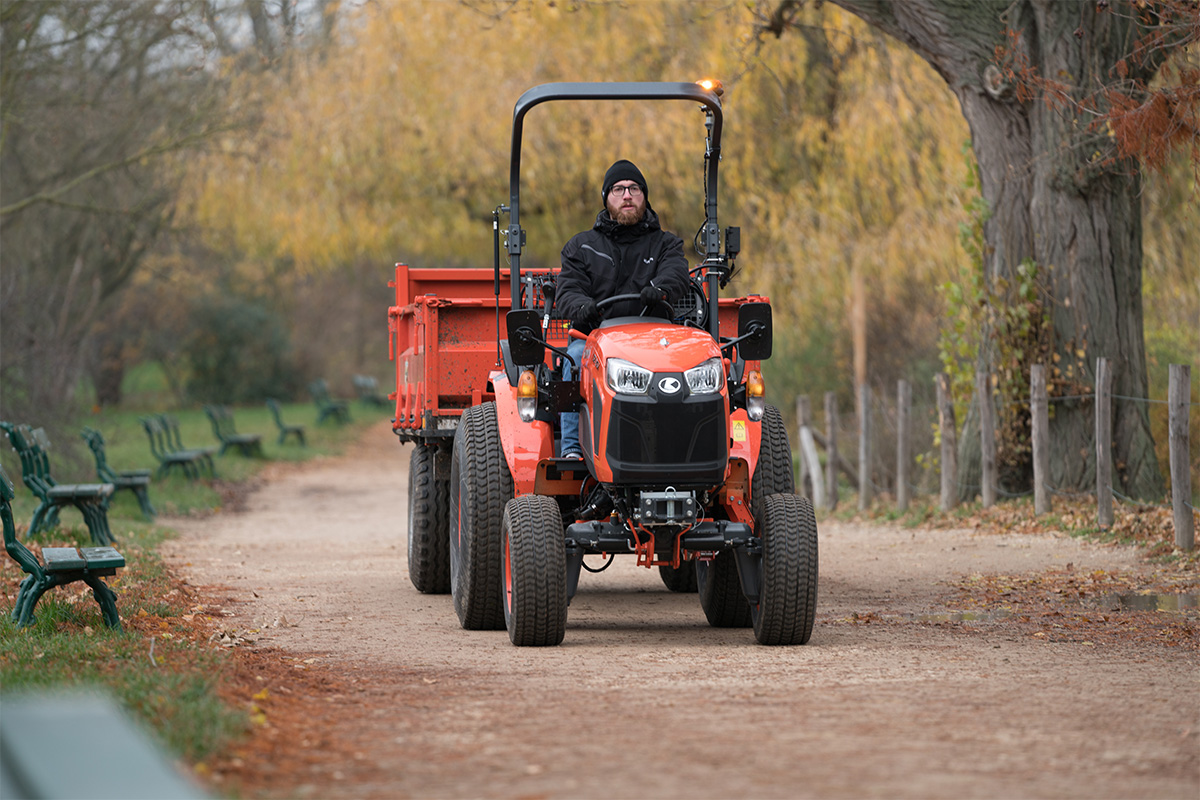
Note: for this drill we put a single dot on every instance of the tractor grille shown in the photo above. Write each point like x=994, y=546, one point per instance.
x=680, y=441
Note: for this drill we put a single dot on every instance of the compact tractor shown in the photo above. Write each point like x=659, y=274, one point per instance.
x=685, y=468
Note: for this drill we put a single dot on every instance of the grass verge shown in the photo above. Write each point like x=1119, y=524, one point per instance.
x=168, y=666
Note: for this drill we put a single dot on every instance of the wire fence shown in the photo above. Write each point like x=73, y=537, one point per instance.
x=910, y=449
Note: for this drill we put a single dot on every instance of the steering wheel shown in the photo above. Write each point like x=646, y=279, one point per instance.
x=617, y=298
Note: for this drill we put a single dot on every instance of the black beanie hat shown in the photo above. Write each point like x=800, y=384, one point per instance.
x=622, y=171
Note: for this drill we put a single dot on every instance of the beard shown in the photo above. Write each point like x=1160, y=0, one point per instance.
x=629, y=216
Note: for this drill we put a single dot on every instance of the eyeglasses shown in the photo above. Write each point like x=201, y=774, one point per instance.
x=634, y=191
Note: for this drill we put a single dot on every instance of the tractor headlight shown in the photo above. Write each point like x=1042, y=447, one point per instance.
x=625, y=377
x=706, y=378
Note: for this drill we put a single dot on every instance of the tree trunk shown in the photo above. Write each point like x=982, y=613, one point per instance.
x=1054, y=198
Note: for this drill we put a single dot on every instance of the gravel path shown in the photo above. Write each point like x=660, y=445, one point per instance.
x=894, y=697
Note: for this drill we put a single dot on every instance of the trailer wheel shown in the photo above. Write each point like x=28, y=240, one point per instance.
x=678, y=580
x=788, y=585
x=535, y=572
x=429, y=519
x=721, y=592
x=773, y=472
x=480, y=485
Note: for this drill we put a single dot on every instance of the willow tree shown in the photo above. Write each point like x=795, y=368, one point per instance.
x=1061, y=197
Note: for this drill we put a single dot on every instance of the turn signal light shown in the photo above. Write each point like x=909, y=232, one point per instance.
x=755, y=391
x=754, y=384
x=527, y=396
x=712, y=85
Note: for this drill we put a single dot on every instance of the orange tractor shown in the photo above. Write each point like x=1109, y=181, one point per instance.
x=685, y=466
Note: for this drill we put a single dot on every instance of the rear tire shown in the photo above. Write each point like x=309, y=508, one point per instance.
x=773, y=473
x=429, y=519
x=678, y=580
x=480, y=485
x=720, y=591
x=787, y=602
x=535, y=572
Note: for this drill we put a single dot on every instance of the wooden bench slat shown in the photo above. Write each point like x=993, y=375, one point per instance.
x=62, y=559
x=102, y=558
x=81, y=490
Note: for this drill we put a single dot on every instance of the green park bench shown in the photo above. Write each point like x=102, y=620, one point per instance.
x=285, y=430
x=62, y=565
x=170, y=456
x=368, y=391
x=134, y=480
x=249, y=444
x=90, y=498
x=326, y=406
x=77, y=742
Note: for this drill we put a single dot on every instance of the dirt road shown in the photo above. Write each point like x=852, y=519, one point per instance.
x=894, y=697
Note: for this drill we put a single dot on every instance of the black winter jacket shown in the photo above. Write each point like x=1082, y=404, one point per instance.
x=613, y=259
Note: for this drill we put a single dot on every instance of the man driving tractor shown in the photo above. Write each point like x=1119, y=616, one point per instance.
x=625, y=252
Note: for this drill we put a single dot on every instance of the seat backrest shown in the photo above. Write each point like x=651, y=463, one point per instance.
x=214, y=417
x=41, y=456
x=273, y=404
x=95, y=442
x=19, y=438
x=7, y=495
x=170, y=428
x=19, y=552
x=154, y=432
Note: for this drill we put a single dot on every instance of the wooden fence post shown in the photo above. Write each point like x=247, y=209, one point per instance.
x=1040, y=411
x=947, y=432
x=987, y=434
x=808, y=446
x=864, y=446
x=1178, y=391
x=808, y=453
x=1104, y=492
x=903, y=406
x=803, y=413
x=831, y=453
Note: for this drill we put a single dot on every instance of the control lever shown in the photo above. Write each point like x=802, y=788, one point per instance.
x=548, y=291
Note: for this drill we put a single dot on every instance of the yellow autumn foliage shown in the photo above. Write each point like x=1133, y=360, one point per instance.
x=841, y=152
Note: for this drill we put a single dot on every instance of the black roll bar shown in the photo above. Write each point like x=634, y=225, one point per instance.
x=609, y=91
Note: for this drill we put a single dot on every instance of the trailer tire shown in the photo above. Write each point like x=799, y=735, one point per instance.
x=429, y=519
x=787, y=603
x=480, y=485
x=773, y=473
x=534, y=572
x=678, y=580
x=720, y=591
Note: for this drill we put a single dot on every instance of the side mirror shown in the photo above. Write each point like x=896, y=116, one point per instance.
x=524, y=337
x=754, y=323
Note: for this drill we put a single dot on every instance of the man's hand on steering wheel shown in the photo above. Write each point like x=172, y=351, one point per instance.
x=587, y=315
x=652, y=296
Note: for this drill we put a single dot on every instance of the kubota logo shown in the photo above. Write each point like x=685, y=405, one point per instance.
x=668, y=386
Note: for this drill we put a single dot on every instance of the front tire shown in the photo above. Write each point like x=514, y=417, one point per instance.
x=429, y=519
x=787, y=603
x=678, y=580
x=535, y=572
x=720, y=591
x=773, y=473
x=480, y=485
